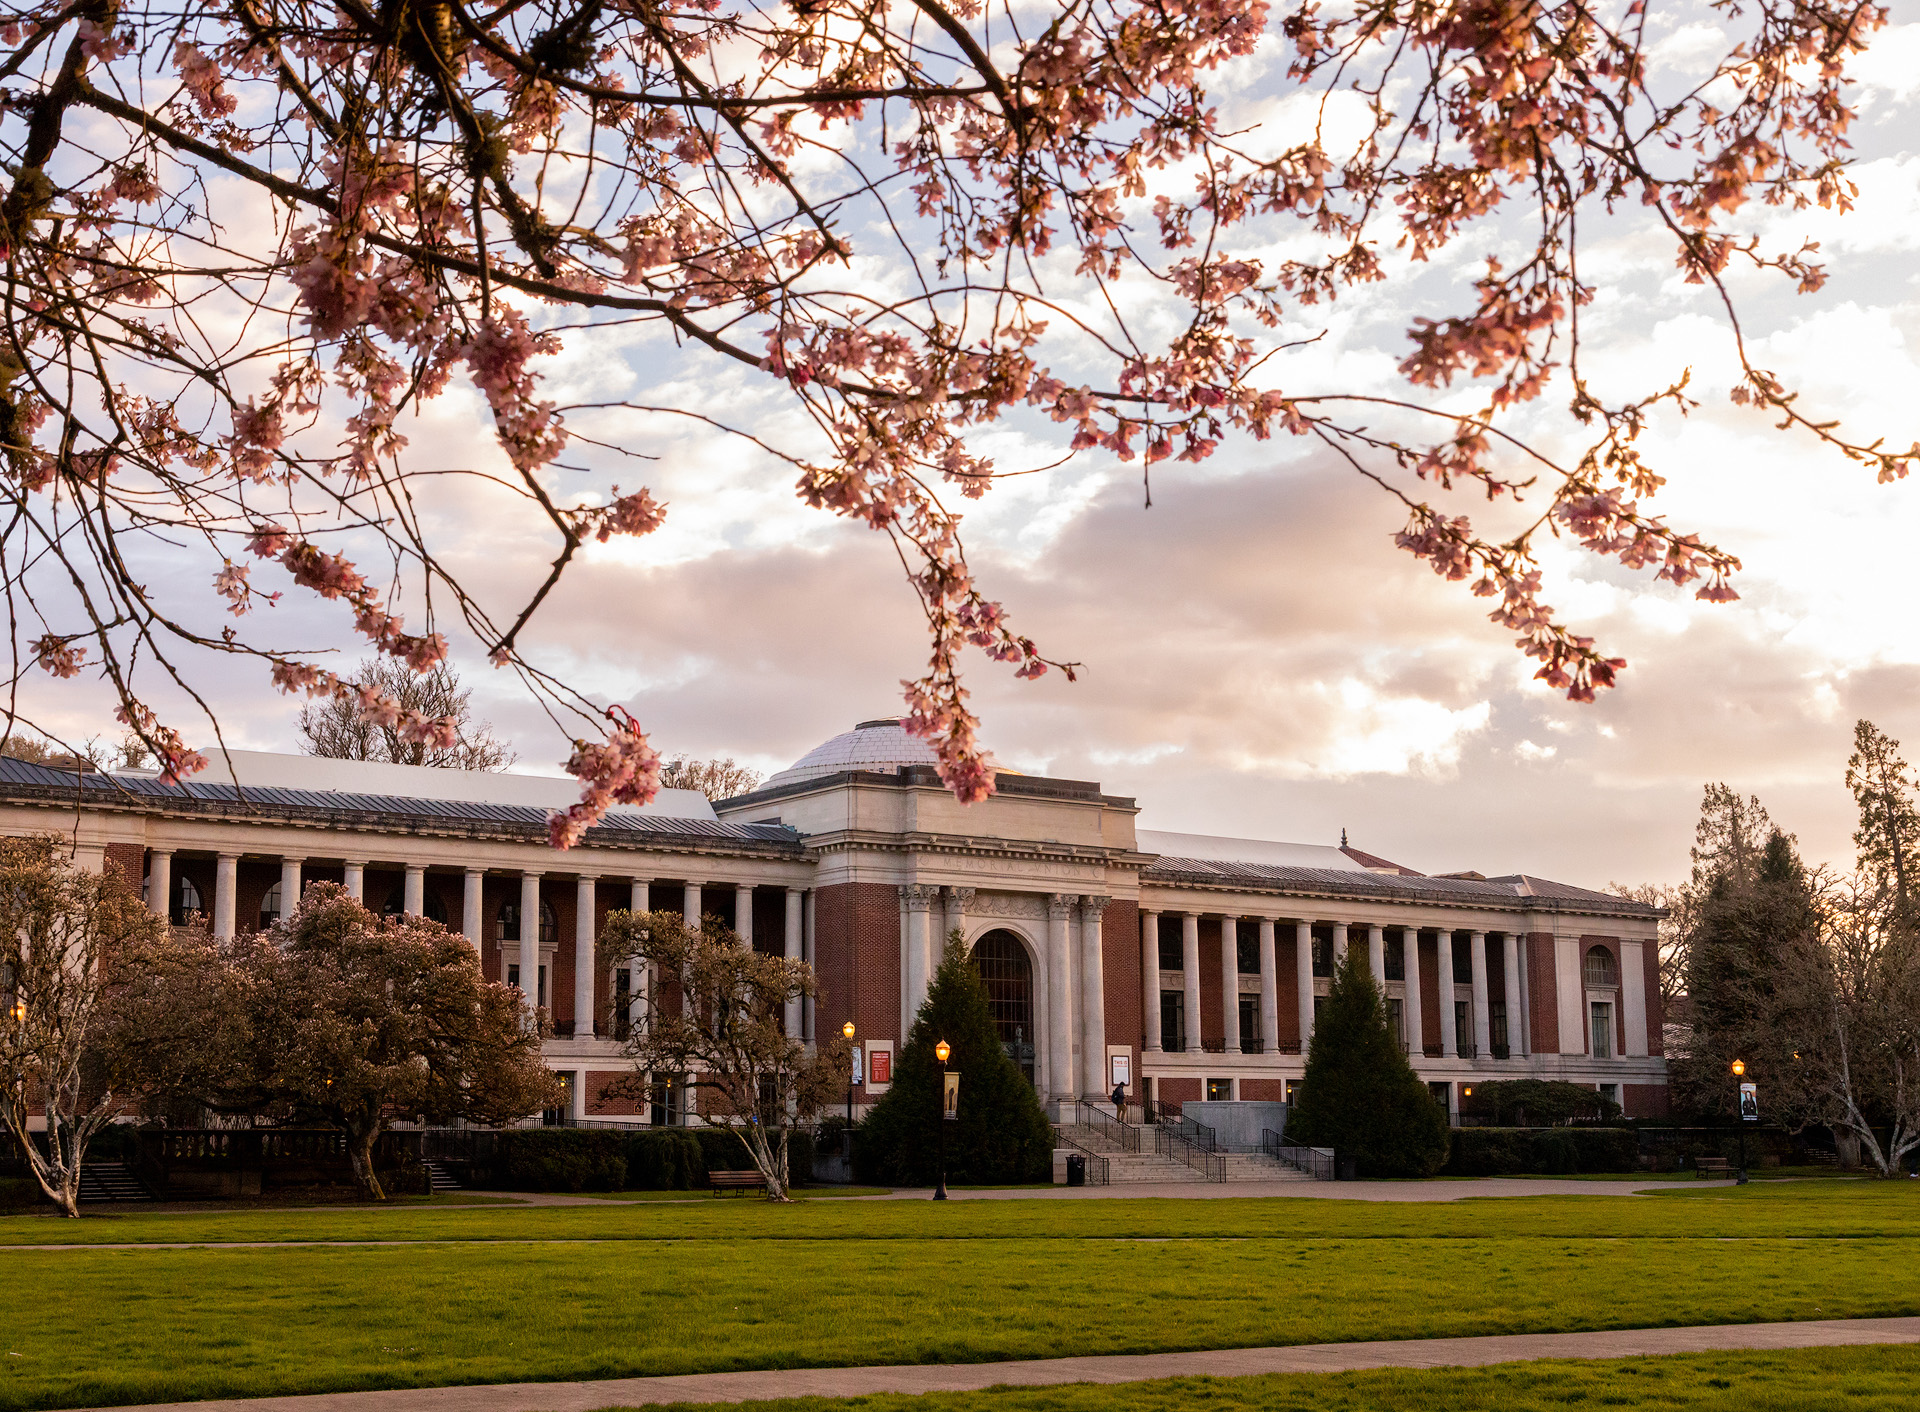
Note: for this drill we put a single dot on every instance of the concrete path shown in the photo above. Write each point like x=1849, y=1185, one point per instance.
x=1456, y=1190
x=1050, y=1372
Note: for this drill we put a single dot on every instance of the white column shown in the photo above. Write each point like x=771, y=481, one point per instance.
x=1269, y=990
x=1377, y=956
x=1230, y=982
x=690, y=907
x=471, y=894
x=1510, y=975
x=289, y=886
x=530, y=938
x=1416, y=1017
x=1093, y=1001
x=585, y=964
x=1482, y=1025
x=796, y=911
x=1443, y=963
x=638, y=902
x=1303, y=977
x=1339, y=944
x=959, y=902
x=1060, y=994
x=743, y=915
x=354, y=876
x=160, y=883
x=577, y=1107
x=415, y=903
x=1633, y=998
x=1150, y=979
x=225, y=872
x=1190, y=978
x=919, y=900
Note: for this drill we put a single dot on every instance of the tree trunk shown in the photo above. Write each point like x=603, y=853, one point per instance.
x=772, y=1166
x=1846, y=1145
x=360, y=1150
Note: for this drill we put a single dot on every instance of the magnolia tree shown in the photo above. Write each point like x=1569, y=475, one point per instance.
x=64, y=933
x=715, y=1012
x=245, y=239
x=337, y=1017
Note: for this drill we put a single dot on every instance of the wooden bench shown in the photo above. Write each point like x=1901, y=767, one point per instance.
x=1712, y=1167
x=736, y=1181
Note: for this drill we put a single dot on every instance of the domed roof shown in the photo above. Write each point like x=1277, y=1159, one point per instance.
x=882, y=745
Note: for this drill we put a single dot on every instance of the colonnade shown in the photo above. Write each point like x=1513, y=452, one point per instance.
x=585, y=938
x=1452, y=1044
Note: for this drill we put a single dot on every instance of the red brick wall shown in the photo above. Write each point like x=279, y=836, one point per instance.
x=1263, y=1090
x=1656, y=1008
x=1120, y=974
x=1286, y=961
x=1177, y=1090
x=623, y=1105
x=1644, y=1100
x=1543, y=993
x=130, y=859
x=857, y=957
x=1212, y=1027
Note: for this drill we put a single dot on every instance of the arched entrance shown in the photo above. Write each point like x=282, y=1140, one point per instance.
x=1001, y=959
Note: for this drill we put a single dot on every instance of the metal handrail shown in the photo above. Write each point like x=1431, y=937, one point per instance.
x=1316, y=1162
x=1169, y=1141
x=1096, y=1163
x=1109, y=1125
x=1199, y=1134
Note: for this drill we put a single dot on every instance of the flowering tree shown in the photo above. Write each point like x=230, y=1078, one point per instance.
x=716, y=1012
x=244, y=238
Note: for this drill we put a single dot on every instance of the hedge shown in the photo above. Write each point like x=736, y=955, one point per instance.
x=562, y=1159
x=667, y=1160
x=590, y=1159
x=1506, y=1152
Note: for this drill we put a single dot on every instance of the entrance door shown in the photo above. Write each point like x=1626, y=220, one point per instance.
x=1001, y=959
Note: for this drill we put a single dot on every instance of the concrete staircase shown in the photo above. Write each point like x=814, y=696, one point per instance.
x=440, y=1180
x=111, y=1181
x=1146, y=1165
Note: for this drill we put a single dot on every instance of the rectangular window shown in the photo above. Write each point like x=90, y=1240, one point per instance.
x=1322, y=952
x=1397, y=1020
x=664, y=1105
x=1293, y=1090
x=1246, y=943
x=557, y=1116
x=1319, y=1004
x=622, y=1003
x=1463, y=1027
x=1602, y=1029
x=1219, y=1090
x=1173, y=1021
x=1171, y=956
x=1443, y=1095
x=1611, y=1092
x=513, y=975
x=1462, y=959
x=1250, y=1024
x=1397, y=957
x=1497, y=1027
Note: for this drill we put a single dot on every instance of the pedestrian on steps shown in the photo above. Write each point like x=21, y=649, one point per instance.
x=1120, y=1101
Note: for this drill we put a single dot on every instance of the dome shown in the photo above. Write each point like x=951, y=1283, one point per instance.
x=882, y=745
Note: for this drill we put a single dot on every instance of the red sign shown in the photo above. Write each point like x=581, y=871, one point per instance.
x=880, y=1066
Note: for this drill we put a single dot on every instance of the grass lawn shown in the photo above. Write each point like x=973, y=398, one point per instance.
x=619, y=1289
x=1865, y=1379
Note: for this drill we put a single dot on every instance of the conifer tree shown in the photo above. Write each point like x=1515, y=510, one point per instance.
x=1002, y=1133
x=1888, y=838
x=1360, y=1096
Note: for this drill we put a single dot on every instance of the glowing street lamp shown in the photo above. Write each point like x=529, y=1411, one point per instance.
x=943, y=1051
x=847, y=1030
x=1739, y=1067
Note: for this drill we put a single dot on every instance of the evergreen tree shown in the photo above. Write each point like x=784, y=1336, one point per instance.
x=1360, y=1096
x=1888, y=838
x=1002, y=1133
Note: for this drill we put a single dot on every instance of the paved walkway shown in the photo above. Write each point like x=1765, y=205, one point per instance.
x=1050, y=1372
x=1335, y=1191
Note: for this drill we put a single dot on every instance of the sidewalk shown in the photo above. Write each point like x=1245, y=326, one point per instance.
x=1451, y=1190
x=1049, y=1372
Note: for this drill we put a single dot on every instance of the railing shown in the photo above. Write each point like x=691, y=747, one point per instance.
x=1170, y=1141
x=1114, y=1129
x=1213, y=1046
x=1254, y=1045
x=1097, y=1173
x=1291, y=1046
x=1199, y=1134
x=1316, y=1162
x=1466, y=1049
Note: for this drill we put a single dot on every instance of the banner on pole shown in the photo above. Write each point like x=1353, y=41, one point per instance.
x=950, y=1097
x=1749, y=1103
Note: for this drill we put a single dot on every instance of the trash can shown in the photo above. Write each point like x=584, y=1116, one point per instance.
x=1076, y=1169
x=1346, y=1169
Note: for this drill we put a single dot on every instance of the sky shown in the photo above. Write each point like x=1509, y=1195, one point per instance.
x=1256, y=657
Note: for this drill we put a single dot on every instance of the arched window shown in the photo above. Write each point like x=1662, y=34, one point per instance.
x=1004, y=969
x=1600, y=968
x=270, y=907
x=186, y=900
x=436, y=909
x=506, y=926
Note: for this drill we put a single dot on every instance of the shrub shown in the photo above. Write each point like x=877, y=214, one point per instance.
x=1001, y=1133
x=1359, y=1095
x=18, y=1193
x=563, y=1159
x=1509, y=1152
x=667, y=1159
x=1537, y=1102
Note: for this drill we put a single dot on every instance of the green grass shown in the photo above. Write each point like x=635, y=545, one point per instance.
x=1862, y=1379
x=799, y=1193
x=618, y=1289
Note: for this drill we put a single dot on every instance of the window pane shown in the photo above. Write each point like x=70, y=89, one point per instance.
x=1169, y=944
x=1397, y=957
x=1462, y=960
x=1247, y=945
x=1173, y=1029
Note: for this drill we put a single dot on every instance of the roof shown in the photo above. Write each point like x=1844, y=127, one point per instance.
x=24, y=782
x=1214, y=848
x=882, y=746
x=1374, y=863
x=1515, y=890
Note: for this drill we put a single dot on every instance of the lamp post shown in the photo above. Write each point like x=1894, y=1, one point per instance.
x=847, y=1030
x=941, y=1051
x=1739, y=1067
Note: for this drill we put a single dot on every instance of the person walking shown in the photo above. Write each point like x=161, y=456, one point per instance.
x=1120, y=1101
